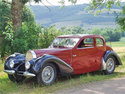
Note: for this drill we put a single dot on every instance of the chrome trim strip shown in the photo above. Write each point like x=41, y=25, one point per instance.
x=103, y=64
x=27, y=74
x=85, y=47
x=33, y=53
x=11, y=72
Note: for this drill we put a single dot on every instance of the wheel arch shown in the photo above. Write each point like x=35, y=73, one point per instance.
x=57, y=67
x=106, y=55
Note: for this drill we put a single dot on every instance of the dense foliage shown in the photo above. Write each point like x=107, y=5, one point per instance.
x=5, y=15
x=15, y=42
x=47, y=35
x=25, y=39
x=121, y=18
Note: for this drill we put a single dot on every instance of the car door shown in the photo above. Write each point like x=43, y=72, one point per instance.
x=84, y=56
x=100, y=51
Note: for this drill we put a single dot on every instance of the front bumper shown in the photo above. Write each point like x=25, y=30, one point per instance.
x=11, y=72
x=26, y=74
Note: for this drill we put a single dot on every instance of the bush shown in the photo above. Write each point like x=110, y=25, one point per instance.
x=26, y=38
x=47, y=36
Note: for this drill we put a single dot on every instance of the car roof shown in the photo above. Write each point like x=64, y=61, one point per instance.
x=79, y=36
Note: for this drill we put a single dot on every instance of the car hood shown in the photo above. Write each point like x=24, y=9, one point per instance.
x=51, y=51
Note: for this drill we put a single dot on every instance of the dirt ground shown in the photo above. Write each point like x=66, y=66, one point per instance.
x=114, y=86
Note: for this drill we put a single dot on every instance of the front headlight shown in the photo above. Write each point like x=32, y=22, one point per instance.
x=11, y=63
x=13, y=55
x=27, y=65
x=30, y=55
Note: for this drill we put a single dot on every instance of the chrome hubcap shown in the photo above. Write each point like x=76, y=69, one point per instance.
x=48, y=74
x=110, y=64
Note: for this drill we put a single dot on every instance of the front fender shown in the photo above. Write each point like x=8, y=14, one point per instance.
x=62, y=66
x=19, y=61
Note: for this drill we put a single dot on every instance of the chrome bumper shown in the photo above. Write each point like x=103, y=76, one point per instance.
x=11, y=72
x=26, y=74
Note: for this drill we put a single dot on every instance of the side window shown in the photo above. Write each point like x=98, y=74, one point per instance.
x=88, y=42
x=99, y=42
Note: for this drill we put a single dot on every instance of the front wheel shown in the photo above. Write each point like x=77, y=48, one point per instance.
x=110, y=65
x=47, y=75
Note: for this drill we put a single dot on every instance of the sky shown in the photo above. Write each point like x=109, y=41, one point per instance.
x=56, y=2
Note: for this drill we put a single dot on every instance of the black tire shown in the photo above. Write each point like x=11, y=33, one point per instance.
x=110, y=65
x=41, y=80
x=17, y=79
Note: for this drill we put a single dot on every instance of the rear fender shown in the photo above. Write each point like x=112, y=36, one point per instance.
x=107, y=54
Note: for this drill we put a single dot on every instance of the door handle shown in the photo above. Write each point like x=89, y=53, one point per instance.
x=74, y=55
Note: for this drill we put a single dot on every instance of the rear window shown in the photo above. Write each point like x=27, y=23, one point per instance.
x=88, y=42
x=99, y=42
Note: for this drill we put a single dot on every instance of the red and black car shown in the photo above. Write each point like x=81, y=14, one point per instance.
x=68, y=54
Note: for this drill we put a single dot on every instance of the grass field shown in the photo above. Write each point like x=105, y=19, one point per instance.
x=31, y=87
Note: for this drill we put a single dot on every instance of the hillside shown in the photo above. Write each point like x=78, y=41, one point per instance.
x=74, y=15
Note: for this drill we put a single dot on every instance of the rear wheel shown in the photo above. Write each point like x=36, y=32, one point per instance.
x=17, y=79
x=110, y=65
x=47, y=75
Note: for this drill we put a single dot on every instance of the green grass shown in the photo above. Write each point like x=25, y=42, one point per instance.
x=30, y=86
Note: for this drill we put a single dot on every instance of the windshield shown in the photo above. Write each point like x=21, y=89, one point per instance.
x=64, y=42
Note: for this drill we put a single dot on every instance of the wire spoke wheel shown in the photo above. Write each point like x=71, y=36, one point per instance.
x=47, y=74
x=110, y=64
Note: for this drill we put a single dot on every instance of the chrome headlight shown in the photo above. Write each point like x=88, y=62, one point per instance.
x=30, y=55
x=13, y=55
x=27, y=65
x=11, y=63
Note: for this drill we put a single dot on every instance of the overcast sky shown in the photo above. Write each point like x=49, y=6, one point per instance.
x=56, y=2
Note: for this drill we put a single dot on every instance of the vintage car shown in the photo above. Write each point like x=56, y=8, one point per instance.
x=68, y=54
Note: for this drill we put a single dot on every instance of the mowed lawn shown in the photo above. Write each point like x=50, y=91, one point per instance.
x=31, y=87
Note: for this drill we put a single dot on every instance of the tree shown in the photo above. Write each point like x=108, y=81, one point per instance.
x=5, y=15
x=120, y=18
x=97, y=5
x=16, y=12
x=10, y=42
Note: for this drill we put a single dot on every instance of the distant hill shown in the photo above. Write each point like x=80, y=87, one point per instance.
x=73, y=16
